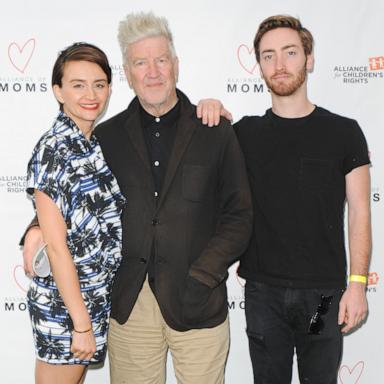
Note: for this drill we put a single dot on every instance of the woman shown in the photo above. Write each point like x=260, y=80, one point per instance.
x=78, y=204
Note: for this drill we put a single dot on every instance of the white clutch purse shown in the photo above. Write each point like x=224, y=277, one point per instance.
x=40, y=262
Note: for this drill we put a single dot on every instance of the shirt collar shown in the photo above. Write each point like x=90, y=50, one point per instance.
x=168, y=119
x=66, y=126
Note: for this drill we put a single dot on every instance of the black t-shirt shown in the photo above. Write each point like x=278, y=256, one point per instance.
x=297, y=170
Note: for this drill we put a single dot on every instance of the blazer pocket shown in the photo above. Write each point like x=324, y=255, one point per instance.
x=196, y=180
x=195, y=301
x=316, y=173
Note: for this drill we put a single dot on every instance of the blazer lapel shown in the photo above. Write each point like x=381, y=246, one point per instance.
x=135, y=133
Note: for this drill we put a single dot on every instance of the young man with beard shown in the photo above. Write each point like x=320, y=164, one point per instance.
x=303, y=163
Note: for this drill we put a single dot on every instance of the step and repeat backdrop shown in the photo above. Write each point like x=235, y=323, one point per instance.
x=214, y=44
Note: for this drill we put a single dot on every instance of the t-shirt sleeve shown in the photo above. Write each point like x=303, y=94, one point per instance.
x=356, y=149
x=46, y=171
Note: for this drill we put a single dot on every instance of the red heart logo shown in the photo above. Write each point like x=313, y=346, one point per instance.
x=20, y=57
x=21, y=280
x=351, y=376
x=247, y=58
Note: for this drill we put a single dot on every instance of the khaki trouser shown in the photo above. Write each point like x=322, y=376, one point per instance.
x=138, y=349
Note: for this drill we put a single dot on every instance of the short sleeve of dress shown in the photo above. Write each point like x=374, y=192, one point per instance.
x=46, y=170
x=356, y=148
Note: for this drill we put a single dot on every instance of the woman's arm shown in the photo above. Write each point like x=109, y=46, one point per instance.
x=64, y=272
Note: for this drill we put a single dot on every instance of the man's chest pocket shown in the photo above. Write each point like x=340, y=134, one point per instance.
x=196, y=182
x=316, y=173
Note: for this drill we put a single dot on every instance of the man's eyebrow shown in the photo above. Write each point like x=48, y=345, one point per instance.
x=270, y=50
x=290, y=46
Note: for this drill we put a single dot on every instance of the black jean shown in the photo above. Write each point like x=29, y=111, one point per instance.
x=277, y=323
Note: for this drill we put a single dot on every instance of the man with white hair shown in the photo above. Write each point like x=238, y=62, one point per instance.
x=188, y=217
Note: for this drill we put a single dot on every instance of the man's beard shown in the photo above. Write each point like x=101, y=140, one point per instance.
x=287, y=87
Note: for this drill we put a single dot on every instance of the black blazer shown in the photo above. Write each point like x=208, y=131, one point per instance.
x=201, y=224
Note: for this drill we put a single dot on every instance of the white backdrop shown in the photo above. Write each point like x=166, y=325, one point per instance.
x=214, y=44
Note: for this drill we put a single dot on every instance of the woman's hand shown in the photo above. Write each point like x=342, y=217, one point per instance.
x=83, y=345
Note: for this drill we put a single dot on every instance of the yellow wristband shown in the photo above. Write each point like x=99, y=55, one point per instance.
x=358, y=278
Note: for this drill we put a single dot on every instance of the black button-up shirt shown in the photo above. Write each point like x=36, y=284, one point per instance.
x=159, y=134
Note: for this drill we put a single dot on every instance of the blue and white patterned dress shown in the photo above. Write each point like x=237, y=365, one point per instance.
x=72, y=171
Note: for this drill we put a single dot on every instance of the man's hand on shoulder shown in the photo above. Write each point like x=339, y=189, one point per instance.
x=210, y=111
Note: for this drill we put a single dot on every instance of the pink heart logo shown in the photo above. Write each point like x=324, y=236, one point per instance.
x=20, y=57
x=351, y=376
x=247, y=58
x=21, y=280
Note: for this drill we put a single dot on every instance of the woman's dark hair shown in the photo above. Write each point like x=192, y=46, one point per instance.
x=80, y=52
